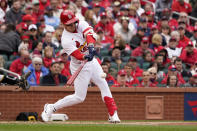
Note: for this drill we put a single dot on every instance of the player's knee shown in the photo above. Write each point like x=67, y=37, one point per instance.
x=80, y=99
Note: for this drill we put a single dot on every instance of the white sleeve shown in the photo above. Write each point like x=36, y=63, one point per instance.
x=68, y=46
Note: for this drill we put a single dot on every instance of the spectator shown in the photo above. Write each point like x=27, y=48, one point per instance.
x=181, y=71
x=37, y=71
x=116, y=56
x=136, y=71
x=165, y=33
x=172, y=81
x=156, y=43
x=192, y=81
x=146, y=80
x=166, y=60
x=172, y=70
x=144, y=44
x=162, y=5
x=36, y=11
x=56, y=39
x=3, y=27
x=48, y=56
x=105, y=25
x=147, y=60
x=131, y=80
x=53, y=78
x=37, y=48
x=175, y=34
x=64, y=64
x=13, y=16
x=181, y=6
x=32, y=35
x=89, y=17
x=136, y=39
x=189, y=54
x=50, y=19
x=172, y=48
x=136, y=3
x=194, y=37
x=183, y=39
x=121, y=79
x=9, y=40
x=28, y=19
x=153, y=75
x=80, y=9
x=20, y=65
x=109, y=78
x=56, y=11
x=29, y=11
x=125, y=32
x=48, y=42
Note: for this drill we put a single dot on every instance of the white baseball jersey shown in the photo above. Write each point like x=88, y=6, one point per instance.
x=73, y=41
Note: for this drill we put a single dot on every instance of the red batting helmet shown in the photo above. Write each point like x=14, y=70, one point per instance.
x=67, y=17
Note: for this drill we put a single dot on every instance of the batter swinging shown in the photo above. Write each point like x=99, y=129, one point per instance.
x=78, y=40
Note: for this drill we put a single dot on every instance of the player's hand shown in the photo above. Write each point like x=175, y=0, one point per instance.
x=91, y=49
x=89, y=57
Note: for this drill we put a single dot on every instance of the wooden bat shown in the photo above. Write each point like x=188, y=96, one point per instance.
x=74, y=76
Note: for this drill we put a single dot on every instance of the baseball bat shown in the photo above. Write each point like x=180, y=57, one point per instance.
x=74, y=76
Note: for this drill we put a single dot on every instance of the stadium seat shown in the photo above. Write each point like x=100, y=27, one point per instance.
x=7, y=64
x=145, y=65
x=13, y=57
x=159, y=80
x=104, y=52
x=126, y=58
x=114, y=65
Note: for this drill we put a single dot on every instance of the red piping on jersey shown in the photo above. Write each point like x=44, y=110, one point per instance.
x=78, y=55
x=86, y=30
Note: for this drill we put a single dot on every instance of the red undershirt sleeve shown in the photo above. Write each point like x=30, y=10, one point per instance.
x=77, y=54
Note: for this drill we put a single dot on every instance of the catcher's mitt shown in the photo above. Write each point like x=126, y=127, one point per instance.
x=23, y=81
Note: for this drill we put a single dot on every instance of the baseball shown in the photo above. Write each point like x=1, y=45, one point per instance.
x=103, y=75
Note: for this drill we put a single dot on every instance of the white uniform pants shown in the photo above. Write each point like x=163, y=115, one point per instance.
x=91, y=71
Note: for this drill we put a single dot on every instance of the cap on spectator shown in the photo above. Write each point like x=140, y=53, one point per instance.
x=172, y=68
x=154, y=26
x=32, y=26
x=150, y=13
x=27, y=18
x=96, y=4
x=35, y=2
x=172, y=39
x=103, y=14
x=122, y=72
x=145, y=39
x=25, y=37
x=132, y=59
x=36, y=58
x=194, y=75
x=190, y=43
x=195, y=28
x=29, y=6
x=116, y=3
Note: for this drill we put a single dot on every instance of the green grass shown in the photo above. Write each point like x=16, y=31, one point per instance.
x=90, y=127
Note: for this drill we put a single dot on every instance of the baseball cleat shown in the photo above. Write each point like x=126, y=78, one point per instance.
x=46, y=114
x=114, y=118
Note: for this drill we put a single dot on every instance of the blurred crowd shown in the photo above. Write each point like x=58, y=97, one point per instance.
x=141, y=43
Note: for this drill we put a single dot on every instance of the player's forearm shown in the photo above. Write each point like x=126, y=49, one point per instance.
x=78, y=55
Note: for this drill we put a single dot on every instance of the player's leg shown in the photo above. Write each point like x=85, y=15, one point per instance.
x=80, y=85
x=105, y=92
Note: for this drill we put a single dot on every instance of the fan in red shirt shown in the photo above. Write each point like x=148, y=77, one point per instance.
x=121, y=79
x=172, y=70
x=20, y=65
x=136, y=71
x=109, y=78
x=181, y=6
x=131, y=80
x=48, y=56
x=183, y=42
x=105, y=25
x=189, y=54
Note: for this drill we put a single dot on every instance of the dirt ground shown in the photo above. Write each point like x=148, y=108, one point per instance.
x=102, y=122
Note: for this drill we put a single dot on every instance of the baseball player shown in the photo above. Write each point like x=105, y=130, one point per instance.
x=78, y=40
